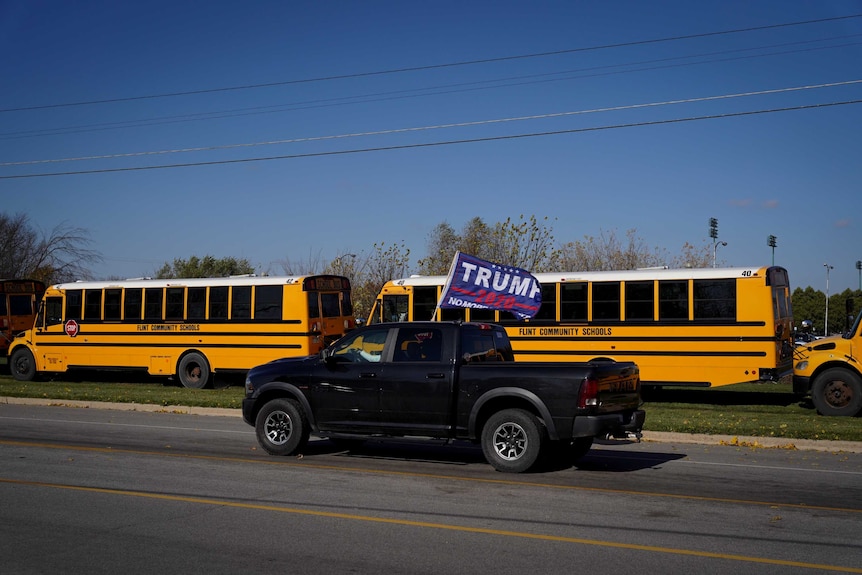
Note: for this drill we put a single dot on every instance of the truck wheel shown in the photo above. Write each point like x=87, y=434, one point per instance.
x=281, y=427
x=837, y=391
x=512, y=440
x=22, y=365
x=193, y=371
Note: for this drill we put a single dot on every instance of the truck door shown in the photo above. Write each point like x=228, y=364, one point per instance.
x=416, y=385
x=346, y=393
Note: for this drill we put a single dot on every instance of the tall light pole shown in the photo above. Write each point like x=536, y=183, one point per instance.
x=339, y=266
x=713, y=233
x=715, y=249
x=770, y=241
x=859, y=267
x=826, y=319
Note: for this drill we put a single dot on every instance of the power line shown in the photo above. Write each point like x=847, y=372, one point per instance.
x=434, y=66
x=434, y=144
x=416, y=92
x=439, y=126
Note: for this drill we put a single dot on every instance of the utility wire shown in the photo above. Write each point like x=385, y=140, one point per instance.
x=418, y=92
x=434, y=66
x=436, y=127
x=434, y=144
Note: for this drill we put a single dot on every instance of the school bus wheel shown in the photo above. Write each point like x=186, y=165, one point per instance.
x=193, y=370
x=837, y=391
x=22, y=364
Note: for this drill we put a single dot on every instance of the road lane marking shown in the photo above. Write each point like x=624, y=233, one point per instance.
x=299, y=462
x=441, y=526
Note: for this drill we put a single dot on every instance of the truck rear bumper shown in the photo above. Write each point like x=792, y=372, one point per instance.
x=614, y=424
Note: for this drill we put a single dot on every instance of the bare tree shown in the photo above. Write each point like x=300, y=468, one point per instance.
x=609, y=252
x=58, y=256
x=372, y=271
x=313, y=264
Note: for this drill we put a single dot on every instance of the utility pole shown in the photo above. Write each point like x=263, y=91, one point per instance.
x=826, y=317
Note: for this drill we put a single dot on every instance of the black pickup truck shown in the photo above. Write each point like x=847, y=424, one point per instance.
x=442, y=380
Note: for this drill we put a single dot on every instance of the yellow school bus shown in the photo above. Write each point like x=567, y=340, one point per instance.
x=19, y=300
x=704, y=327
x=188, y=328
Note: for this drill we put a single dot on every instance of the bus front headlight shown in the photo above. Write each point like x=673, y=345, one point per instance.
x=802, y=365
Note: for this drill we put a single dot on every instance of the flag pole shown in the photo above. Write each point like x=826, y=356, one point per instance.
x=448, y=283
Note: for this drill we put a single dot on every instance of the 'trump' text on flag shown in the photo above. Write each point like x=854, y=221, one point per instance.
x=479, y=284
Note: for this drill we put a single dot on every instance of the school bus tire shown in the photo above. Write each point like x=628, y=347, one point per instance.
x=837, y=392
x=22, y=364
x=193, y=370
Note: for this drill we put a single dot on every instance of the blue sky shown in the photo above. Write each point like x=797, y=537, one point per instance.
x=316, y=68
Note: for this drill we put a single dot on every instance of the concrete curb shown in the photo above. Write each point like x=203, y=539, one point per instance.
x=648, y=436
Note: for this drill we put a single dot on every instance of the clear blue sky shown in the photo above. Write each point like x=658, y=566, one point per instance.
x=793, y=174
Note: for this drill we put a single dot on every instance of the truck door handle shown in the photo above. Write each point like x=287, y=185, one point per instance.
x=435, y=376
x=367, y=375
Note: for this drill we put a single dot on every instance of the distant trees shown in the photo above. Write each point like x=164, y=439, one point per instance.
x=529, y=243
x=810, y=304
x=60, y=255
x=206, y=267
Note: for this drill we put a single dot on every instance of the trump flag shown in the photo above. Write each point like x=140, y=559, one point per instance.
x=478, y=284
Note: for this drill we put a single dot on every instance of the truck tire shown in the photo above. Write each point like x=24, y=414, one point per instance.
x=281, y=427
x=193, y=371
x=837, y=391
x=22, y=364
x=512, y=440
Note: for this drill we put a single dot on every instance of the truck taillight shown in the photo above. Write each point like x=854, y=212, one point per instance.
x=589, y=394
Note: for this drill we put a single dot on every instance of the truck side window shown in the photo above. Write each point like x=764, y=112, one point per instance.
x=418, y=345
x=363, y=347
x=479, y=346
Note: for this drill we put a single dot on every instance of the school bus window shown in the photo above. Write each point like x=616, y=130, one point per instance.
x=424, y=302
x=346, y=303
x=548, y=309
x=455, y=314
x=240, y=305
x=573, y=302
x=395, y=308
x=267, y=302
x=606, y=301
x=174, y=304
x=672, y=300
x=640, y=300
x=74, y=304
x=93, y=304
x=715, y=299
x=153, y=299
x=133, y=304
x=313, y=304
x=18, y=305
x=112, y=304
x=197, y=303
x=53, y=311
x=481, y=315
x=329, y=302
x=218, y=302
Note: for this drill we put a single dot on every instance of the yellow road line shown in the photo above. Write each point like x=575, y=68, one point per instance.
x=444, y=526
x=299, y=462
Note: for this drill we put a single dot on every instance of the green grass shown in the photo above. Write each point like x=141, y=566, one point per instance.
x=760, y=410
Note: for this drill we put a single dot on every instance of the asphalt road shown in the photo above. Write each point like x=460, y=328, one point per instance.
x=104, y=491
